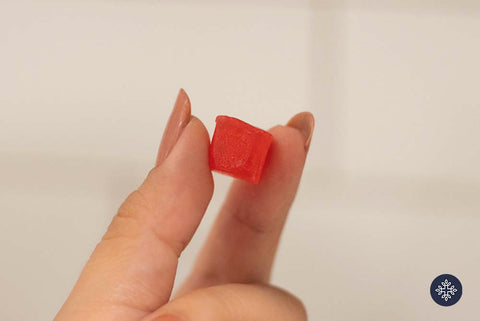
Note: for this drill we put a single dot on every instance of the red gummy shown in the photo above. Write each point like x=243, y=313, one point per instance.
x=239, y=149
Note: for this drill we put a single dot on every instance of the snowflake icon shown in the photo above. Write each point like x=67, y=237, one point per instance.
x=446, y=290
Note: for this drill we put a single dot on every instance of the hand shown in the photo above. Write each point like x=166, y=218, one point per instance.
x=130, y=275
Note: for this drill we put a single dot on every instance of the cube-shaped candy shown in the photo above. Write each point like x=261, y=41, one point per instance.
x=239, y=149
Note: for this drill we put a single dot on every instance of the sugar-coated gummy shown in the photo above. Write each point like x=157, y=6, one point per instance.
x=239, y=149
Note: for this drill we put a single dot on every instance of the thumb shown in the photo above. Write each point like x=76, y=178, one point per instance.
x=233, y=302
x=131, y=271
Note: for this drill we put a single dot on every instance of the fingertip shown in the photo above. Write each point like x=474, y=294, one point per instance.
x=200, y=130
x=193, y=154
x=287, y=154
x=304, y=122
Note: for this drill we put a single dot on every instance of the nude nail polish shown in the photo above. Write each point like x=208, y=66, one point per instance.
x=305, y=123
x=179, y=118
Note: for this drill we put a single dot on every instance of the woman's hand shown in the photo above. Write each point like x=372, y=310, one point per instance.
x=130, y=275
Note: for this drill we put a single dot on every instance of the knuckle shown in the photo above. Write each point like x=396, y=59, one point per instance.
x=135, y=204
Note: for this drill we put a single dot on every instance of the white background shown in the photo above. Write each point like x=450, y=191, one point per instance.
x=391, y=195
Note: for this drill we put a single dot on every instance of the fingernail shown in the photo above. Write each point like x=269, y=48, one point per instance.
x=166, y=318
x=305, y=123
x=179, y=118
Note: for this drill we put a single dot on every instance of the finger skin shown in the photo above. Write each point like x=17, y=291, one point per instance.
x=242, y=243
x=131, y=272
x=233, y=302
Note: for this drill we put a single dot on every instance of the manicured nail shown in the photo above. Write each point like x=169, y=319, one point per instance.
x=305, y=123
x=166, y=318
x=179, y=118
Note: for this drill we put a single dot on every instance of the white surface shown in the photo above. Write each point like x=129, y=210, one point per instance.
x=390, y=196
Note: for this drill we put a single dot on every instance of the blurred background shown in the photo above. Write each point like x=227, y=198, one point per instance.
x=391, y=193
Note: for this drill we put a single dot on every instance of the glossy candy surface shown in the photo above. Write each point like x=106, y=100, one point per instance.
x=239, y=149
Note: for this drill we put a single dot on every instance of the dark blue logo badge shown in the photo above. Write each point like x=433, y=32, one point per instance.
x=446, y=290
